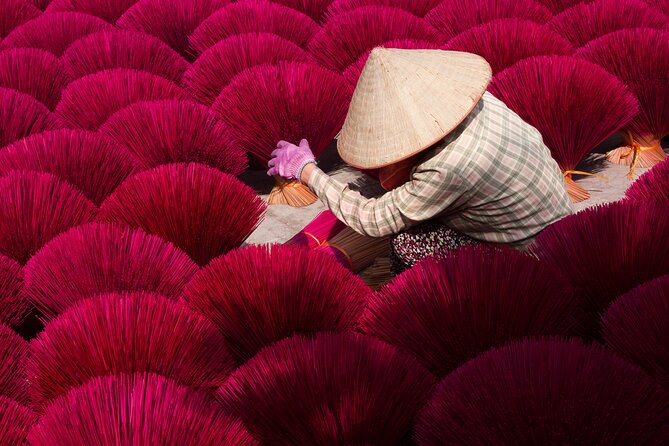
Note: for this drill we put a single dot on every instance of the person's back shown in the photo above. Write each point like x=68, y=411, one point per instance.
x=510, y=187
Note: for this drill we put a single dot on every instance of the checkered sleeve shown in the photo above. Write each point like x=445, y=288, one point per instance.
x=428, y=194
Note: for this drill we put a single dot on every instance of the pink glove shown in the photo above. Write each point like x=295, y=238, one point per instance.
x=288, y=160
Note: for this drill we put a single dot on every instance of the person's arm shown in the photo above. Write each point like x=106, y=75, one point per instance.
x=426, y=195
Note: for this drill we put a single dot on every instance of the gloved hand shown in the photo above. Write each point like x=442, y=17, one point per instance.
x=288, y=160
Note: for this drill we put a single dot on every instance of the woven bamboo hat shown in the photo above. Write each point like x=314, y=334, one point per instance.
x=406, y=101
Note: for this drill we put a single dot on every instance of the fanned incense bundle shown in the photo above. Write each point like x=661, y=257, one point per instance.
x=328, y=389
x=95, y=165
x=13, y=355
x=258, y=295
x=253, y=16
x=126, y=333
x=636, y=56
x=574, y=104
x=315, y=9
x=140, y=409
x=123, y=49
x=652, y=185
x=172, y=21
x=467, y=302
x=34, y=72
x=15, y=422
x=547, y=392
x=635, y=328
x=290, y=101
x=607, y=250
x=352, y=73
x=215, y=214
x=14, y=13
x=218, y=65
x=35, y=208
x=107, y=10
x=348, y=36
x=417, y=8
x=587, y=21
x=453, y=17
x=100, y=258
x=22, y=115
x=13, y=304
x=163, y=132
x=88, y=102
x=504, y=42
x=54, y=32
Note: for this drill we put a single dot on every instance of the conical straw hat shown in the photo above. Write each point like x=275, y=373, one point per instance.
x=406, y=101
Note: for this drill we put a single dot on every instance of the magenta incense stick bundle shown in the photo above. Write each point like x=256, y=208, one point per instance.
x=92, y=163
x=253, y=16
x=107, y=10
x=13, y=304
x=218, y=65
x=172, y=131
x=318, y=231
x=258, y=295
x=372, y=392
x=419, y=9
x=123, y=49
x=13, y=356
x=453, y=17
x=545, y=390
x=15, y=422
x=503, y=42
x=652, y=185
x=54, y=32
x=100, y=258
x=216, y=211
x=22, y=115
x=14, y=13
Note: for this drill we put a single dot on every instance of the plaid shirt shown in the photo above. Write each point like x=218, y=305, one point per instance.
x=492, y=179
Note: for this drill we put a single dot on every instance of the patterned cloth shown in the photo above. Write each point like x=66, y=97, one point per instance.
x=492, y=179
x=424, y=240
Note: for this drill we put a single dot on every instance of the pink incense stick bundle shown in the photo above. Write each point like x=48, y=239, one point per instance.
x=328, y=389
x=172, y=21
x=468, y=302
x=88, y=102
x=125, y=333
x=22, y=115
x=218, y=65
x=163, y=132
x=504, y=42
x=13, y=356
x=54, y=32
x=652, y=185
x=36, y=207
x=607, y=250
x=348, y=36
x=14, y=13
x=573, y=103
x=290, y=101
x=315, y=9
x=92, y=163
x=545, y=391
x=258, y=295
x=352, y=73
x=34, y=72
x=635, y=328
x=636, y=56
x=140, y=409
x=419, y=9
x=13, y=304
x=123, y=49
x=15, y=422
x=253, y=16
x=557, y=6
x=587, y=21
x=216, y=211
x=322, y=228
x=107, y=10
x=453, y=17
x=100, y=258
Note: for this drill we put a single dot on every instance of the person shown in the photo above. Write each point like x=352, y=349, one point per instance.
x=460, y=167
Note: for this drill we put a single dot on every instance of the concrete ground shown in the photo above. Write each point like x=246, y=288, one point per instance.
x=282, y=222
